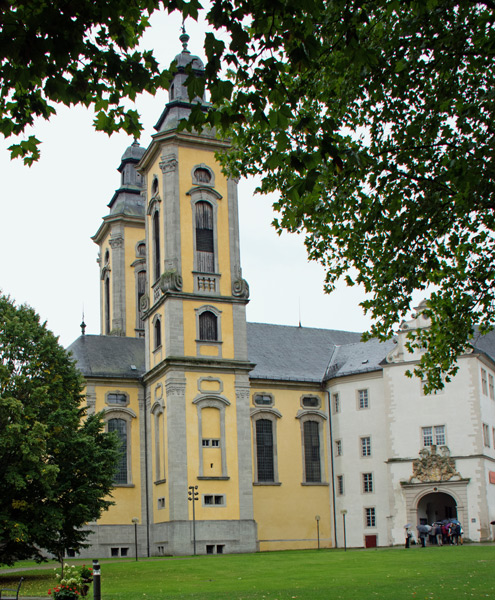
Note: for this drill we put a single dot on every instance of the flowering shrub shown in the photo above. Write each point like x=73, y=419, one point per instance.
x=74, y=582
x=64, y=592
x=86, y=574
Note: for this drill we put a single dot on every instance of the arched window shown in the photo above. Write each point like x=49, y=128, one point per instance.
x=120, y=427
x=141, y=291
x=208, y=327
x=264, y=450
x=158, y=333
x=205, y=257
x=107, y=305
x=156, y=244
x=312, y=460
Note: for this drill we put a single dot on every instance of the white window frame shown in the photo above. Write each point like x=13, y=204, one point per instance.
x=365, y=446
x=368, y=485
x=369, y=516
x=484, y=382
x=363, y=399
x=436, y=433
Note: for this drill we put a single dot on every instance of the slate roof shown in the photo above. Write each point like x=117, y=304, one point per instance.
x=279, y=352
x=485, y=343
x=361, y=357
x=109, y=356
x=293, y=353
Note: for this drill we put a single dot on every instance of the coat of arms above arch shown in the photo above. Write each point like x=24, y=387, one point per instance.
x=434, y=465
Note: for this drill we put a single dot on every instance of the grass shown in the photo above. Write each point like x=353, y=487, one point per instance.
x=386, y=574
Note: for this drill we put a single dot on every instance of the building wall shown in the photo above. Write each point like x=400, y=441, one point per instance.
x=350, y=424
x=286, y=508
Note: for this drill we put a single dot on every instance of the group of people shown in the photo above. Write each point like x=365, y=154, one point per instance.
x=441, y=533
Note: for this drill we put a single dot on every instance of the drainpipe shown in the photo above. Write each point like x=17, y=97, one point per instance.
x=331, y=462
x=147, y=483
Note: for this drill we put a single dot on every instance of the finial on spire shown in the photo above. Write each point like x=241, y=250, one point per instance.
x=184, y=38
x=83, y=325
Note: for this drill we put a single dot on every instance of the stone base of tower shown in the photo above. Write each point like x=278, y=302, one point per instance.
x=171, y=539
x=212, y=537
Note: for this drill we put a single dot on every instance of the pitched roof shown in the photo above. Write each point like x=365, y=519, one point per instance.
x=293, y=353
x=109, y=356
x=361, y=357
x=485, y=343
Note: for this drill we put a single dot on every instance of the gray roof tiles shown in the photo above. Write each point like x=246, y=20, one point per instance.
x=293, y=353
x=109, y=356
x=279, y=352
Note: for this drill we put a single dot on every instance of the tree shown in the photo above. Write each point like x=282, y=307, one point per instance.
x=56, y=463
x=374, y=122
x=371, y=118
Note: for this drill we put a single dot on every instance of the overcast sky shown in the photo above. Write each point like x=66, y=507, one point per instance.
x=50, y=211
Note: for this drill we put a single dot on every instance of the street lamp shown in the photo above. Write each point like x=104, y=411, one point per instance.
x=193, y=497
x=317, y=517
x=344, y=512
x=135, y=520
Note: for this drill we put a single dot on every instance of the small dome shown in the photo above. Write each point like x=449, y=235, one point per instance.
x=185, y=57
x=134, y=152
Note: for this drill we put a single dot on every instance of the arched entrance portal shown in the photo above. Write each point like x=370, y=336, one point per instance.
x=436, y=507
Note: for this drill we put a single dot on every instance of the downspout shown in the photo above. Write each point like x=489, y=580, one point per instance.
x=331, y=462
x=146, y=472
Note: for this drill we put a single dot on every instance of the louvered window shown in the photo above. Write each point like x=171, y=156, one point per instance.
x=208, y=327
x=107, y=305
x=312, y=451
x=264, y=449
x=141, y=285
x=120, y=427
x=156, y=244
x=205, y=258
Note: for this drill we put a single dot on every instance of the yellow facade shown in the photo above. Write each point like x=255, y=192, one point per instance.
x=192, y=419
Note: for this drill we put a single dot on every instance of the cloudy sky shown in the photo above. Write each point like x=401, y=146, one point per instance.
x=49, y=211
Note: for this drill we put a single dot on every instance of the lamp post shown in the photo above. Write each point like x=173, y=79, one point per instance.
x=317, y=518
x=135, y=520
x=344, y=512
x=96, y=580
x=192, y=497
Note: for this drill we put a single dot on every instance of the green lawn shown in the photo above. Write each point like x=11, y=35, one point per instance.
x=422, y=574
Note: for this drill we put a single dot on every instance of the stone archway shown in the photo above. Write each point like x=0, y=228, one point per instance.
x=436, y=506
x=423, y=500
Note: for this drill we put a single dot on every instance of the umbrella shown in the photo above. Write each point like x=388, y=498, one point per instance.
x=407, y=525
x=423, y=528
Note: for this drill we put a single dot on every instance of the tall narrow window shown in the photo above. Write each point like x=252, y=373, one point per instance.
x=264, y=450
x=120, y=427
x=312, y=451
x=370, y=517
x=141, y=290
x=367, y=483
x=484, y=385
x=107, y=305
x=365, y=446
x=205, y=257
x=363, y=399
x=158, y=333
x=156, y=244
x=208, y=327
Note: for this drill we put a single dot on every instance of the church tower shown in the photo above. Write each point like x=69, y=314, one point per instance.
x=122, y=255
x=197, y=369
